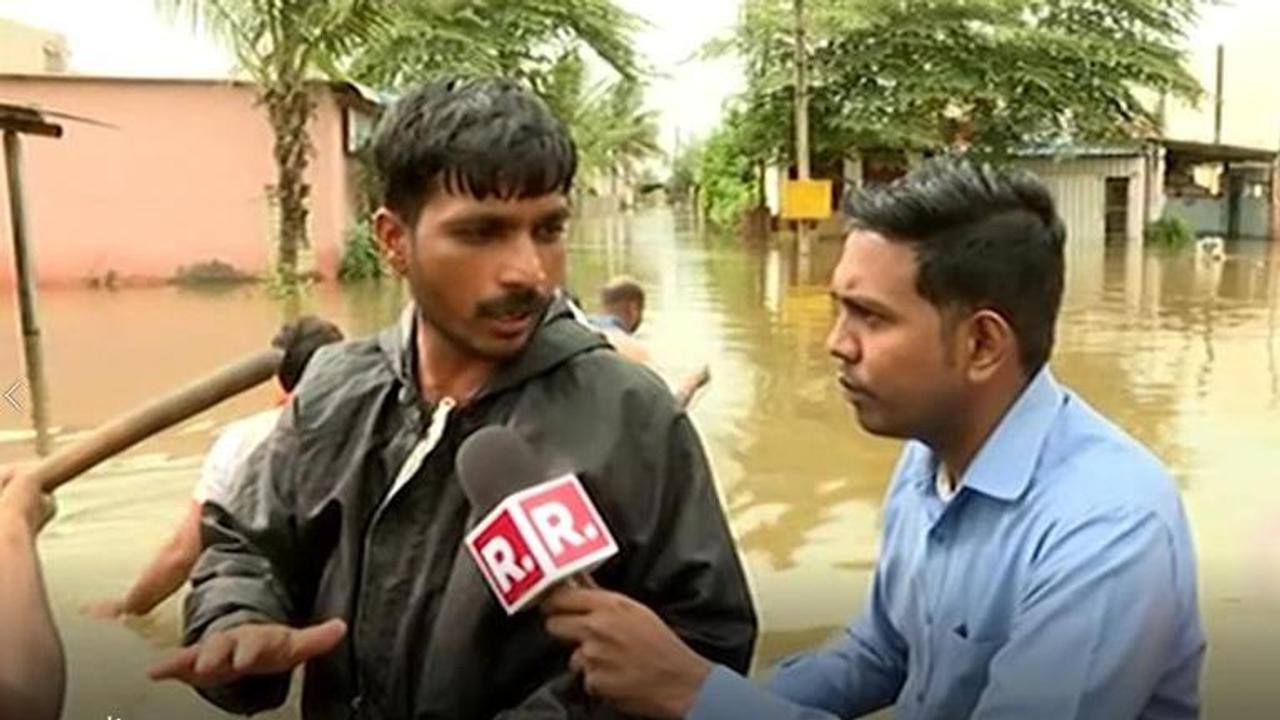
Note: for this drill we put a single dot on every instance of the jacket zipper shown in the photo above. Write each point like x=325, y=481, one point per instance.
x=417, y=456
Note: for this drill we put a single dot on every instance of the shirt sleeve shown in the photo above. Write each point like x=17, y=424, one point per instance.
x=215, y=473
x=860, y=672
x=1096, y=625
x=249, y=569
x=726, y=695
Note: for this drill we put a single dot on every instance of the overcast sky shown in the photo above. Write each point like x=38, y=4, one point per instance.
x=126, y=37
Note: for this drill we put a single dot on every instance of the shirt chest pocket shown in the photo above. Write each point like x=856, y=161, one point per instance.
x=961, y=671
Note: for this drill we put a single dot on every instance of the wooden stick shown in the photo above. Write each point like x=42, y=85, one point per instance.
x=132, y=428
x=25, y=274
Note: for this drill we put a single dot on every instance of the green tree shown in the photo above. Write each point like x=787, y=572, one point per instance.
x=280, y=44
x=683, y=181
x=727, y=176
x=989, y=75
x=541, y=43
x=523, y=39
x=615, y=132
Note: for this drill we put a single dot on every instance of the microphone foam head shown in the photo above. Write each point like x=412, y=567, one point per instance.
x=495, y=462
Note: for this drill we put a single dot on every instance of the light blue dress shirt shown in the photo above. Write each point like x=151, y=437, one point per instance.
x=1060, y=582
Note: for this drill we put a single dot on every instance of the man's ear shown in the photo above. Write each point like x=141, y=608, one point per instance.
x=989, y=343
x=393, y=238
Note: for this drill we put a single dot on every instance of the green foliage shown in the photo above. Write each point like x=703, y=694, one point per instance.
x=612, y=130
x=523, y=39
x=541, y=43
x=684, y=172
x=280, y=41
x=280, y=44
x=392, y=44
x=211, y=272
x=726, y=176
x=990, y=75
x=1169, y=233
x=361, y=259
x=610, y=126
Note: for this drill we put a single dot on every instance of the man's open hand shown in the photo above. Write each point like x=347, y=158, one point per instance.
x=227, y=656
x=626, y=654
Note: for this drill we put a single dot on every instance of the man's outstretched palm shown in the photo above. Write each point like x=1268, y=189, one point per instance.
x=227, y=656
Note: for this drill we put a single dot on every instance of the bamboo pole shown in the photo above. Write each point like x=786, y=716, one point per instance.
x=133, y=427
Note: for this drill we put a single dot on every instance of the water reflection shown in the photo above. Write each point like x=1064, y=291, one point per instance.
x=1179, y=352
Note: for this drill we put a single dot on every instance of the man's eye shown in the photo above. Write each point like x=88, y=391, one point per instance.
x=551, y=233
x=863, y=315
x=475, y=234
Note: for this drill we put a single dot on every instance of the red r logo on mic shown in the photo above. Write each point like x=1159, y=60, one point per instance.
x=538, y=537
x=567, y=525
x=506, y=559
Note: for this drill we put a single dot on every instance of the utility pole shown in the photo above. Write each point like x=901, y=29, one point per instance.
x=804, y=232
x=802, y=96
x=15, y=121
x=1218, y=83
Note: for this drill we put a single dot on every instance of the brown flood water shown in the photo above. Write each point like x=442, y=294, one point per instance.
x=1182, y=352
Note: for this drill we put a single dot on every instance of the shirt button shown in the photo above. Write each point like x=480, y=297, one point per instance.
x=920, y=697
x=928, y=618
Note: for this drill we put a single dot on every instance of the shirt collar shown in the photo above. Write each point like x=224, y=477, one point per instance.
x=1003, y=467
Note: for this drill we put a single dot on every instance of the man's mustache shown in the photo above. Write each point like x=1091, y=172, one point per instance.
x=519, y=302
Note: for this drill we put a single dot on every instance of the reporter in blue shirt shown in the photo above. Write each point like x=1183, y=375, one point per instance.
x=1036, y=561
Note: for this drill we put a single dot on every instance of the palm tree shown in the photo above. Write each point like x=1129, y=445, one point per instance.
x=540, y=42
x=521, y=39
x=391, y=44
x=611, y=127
x=280, y=44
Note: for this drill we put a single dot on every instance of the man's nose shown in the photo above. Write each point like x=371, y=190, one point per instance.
x=523, y=265
x=843, y=344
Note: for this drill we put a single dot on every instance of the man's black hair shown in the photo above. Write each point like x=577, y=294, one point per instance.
x=480, y=137
x=983, y=238
x=299, y=340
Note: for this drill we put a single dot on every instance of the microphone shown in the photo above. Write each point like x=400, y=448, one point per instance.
x=536, y=533
x=495, y=462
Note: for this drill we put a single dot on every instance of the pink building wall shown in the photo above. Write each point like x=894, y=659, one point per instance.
x=183, y=178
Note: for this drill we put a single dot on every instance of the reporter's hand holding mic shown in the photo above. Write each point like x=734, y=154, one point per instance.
x=534, y=534
x=536, y=544
x=627, y=655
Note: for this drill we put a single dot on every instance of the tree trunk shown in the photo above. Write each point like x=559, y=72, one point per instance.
x=289, y=108
x=762, y=194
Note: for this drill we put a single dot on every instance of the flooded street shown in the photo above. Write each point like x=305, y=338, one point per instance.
x=1182, y=352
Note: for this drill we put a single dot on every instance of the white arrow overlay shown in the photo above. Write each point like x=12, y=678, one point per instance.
x=9, y=395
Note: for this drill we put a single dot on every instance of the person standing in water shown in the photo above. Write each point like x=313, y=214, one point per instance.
x=170, y=567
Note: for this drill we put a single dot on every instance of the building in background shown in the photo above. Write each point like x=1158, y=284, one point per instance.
x=27, y=49
x=1212, y=166
x=183, y=178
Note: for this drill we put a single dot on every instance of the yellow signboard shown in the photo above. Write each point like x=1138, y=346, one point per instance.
x=806, y=199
